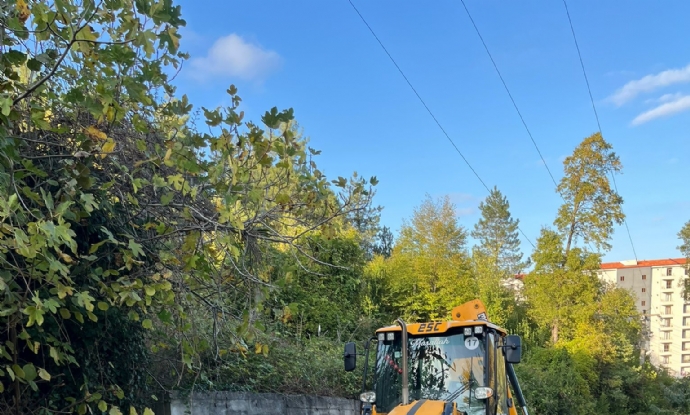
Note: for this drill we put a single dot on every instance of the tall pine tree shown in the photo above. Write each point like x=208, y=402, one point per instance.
x=497, y=233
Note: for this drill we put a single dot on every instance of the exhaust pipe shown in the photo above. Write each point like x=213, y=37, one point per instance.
x=405, y=386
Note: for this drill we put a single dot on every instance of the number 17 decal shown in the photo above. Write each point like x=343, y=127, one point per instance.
x=471, y=343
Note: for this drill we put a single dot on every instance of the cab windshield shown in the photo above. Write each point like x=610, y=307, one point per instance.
x=445, y=367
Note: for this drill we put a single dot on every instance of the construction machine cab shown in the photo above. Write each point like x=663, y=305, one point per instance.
x=460, y=366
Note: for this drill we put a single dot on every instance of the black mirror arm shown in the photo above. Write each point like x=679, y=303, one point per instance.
x=366, y=361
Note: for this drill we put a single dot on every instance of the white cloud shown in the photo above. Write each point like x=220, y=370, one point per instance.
x=664, y=98
x=232, y=56
x=679, y=104
x=650, y=83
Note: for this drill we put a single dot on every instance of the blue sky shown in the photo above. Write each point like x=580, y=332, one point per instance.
x=318, y=58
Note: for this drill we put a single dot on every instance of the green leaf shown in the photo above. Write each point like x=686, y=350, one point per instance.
x=29, y=372
x=102, y=305
x=65, y=313
x=15, y=57
x=88, y=202
x=18, y=371
x=5, y=105
x=136, y=248
x=34, y=64
x=102, y=406
x=147, y=324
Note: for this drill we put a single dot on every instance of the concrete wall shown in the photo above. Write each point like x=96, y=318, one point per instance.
x=244, y=403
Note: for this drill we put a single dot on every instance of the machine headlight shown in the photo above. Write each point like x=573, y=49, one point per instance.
x=468, y=331
x=478, y=329
x=368, y=397
x=483, y=393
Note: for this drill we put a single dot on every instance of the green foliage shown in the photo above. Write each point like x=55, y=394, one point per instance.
x=139, y=254
x=591, y=207
x=497, y=233
x=310, y=367
x=323, y=297
x=429, y=270
x=553, y=385
x=122, y=225
x=561, y=289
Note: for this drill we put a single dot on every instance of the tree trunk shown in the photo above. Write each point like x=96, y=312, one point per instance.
x=554, y=332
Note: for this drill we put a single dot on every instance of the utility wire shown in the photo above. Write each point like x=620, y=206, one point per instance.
x=529, y=133
x=510, y=95
x=596, y=114
x=428, y=109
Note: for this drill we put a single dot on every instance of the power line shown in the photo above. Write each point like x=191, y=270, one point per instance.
x=428, y=109
x=529, y=133
x=596, y=114
x=505, y=85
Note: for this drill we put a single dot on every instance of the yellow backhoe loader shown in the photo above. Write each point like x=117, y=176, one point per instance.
x=463, y=366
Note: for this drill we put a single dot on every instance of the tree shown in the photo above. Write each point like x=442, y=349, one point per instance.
x=499, y=299
x=562, y=288
x=429, y=269
x=384, y=242
x=117, y=212
x=684, y=236
x=591, y=207
x=564, y=281
x=497, y=233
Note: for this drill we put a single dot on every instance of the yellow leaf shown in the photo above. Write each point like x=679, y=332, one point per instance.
x=43, y=374
x=148, y=411
x=68, y=259
x=257, y=348
x=265, y=350
x=107, y=147
x=23, y=12
x=114, y=410
x=167, y=154
x=132, y=411
x=95, y=133
x=102, y=406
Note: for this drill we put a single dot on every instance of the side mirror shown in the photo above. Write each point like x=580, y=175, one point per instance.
x=513, y=349
x=350, y=357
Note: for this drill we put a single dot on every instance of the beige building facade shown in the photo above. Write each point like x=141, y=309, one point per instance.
x=659, y=287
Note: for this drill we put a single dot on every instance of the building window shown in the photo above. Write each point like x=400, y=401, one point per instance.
x=666, y=322
x=644, y=311
x=686, y=321
x=686, y=346
x=666, y=335
x=667, y=309
x=667, y=347
x=669, y=272
x=669, y=284
x=664, y=360
x=667, y=296
x=644, y=277
x=686, y=308
x=643, y=303
x=644, y=290
x=686, y=334
x=686, y=358
x=622, y=278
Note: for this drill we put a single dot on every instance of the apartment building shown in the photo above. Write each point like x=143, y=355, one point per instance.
x=659, y=286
